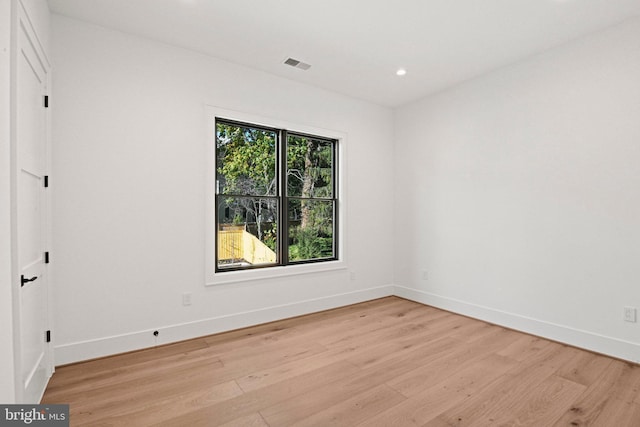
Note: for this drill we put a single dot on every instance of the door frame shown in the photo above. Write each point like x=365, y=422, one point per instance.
x=7, y=388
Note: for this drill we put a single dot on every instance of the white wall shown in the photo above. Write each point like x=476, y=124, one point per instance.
x=519, y=194
x=516, y=192
x=128, y=179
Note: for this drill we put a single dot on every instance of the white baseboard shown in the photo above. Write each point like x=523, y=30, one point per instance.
x=91, y=349
x=575, y=337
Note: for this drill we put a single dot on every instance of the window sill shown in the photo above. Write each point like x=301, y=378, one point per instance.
x=227, y=277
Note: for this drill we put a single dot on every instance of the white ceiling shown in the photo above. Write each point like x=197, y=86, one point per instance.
x=355, y=46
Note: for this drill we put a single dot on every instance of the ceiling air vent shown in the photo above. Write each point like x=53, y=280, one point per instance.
x=297, y=64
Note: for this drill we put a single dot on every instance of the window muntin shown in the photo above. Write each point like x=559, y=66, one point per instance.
x=258, y=223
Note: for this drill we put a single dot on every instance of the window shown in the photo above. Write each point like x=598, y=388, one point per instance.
x=276, y=197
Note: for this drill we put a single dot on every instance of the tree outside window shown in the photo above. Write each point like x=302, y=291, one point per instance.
x=275, y=196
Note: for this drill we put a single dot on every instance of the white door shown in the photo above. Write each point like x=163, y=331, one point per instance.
x=34, y=361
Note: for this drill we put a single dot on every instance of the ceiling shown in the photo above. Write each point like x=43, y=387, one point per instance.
x=355, y=46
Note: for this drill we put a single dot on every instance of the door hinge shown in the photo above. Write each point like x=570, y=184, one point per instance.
x=46, y=257
x=46, y=181
x=46, y=101
x=48, y=336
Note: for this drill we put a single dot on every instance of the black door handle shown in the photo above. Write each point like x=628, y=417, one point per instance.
x=23, y=280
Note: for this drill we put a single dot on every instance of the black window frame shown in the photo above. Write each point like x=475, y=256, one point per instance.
x=281, y=196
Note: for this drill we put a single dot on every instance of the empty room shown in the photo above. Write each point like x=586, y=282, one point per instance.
x=320, y=213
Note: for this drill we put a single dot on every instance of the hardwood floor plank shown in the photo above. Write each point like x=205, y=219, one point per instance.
x=523, y=347
x=121, y=388
x=276, y=354
x=589, y=405
x=260, y=378
x=627, y=388
x=441, y=368
x=544, y=404
x=401, y=322
x=507, y=389
x=617, y=412
x=130, y=396
x=361, y=407
x=135, y=413
x=107, y=366
x=584, y=368
x=439, y=396
x=131, y=359
x=252, y=420
x=387, y=362
x=615, y=382
x=257, y=401
x=383, y=348
x=125, y=372
x=322, y=321
x=305, y=404
x=355, y=351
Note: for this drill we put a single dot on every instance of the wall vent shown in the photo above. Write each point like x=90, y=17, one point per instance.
x=297, y=64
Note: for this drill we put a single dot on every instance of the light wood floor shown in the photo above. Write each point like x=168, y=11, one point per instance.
x=388, y=362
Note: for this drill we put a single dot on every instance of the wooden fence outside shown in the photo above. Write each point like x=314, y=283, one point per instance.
x=238, y=245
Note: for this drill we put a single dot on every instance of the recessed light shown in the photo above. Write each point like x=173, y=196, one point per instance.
x=401, y=72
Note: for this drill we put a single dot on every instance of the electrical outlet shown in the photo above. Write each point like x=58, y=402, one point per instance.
x=186, y=298
x=630, y=314
x=425, y=275
x=352, y=276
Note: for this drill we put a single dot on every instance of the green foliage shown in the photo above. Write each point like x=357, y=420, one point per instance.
x=237, y=219
x=309, y=244
x=270, y=237
x=246, y=160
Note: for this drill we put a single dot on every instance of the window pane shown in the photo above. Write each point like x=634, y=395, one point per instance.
x=309, y=167
x=247, y=231
x=311, y=233
x=246, y=160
